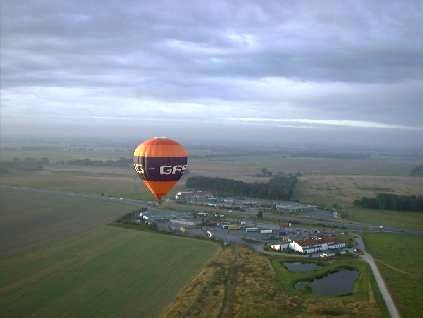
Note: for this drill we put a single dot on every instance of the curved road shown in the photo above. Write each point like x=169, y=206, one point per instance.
x=392, y=308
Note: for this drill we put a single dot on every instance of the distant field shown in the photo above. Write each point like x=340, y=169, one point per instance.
x=343, y=190
x=108, y=272
x=244, y=166
x=110, y=181
x=406, y=220
x=247, y=166
x=400, y=260
x=60, y=153
x=31, y=217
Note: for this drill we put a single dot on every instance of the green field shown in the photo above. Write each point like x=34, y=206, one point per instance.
x=109, y=272
x=32, y=217
x=400, y=260
x=108, y=180
x=246, y=167
x=399, y=219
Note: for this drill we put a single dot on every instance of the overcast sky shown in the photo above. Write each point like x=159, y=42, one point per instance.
x=245, y=69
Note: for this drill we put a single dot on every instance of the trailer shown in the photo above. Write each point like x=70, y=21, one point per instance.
x=234, y=227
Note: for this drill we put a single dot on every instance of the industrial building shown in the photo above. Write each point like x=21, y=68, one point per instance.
x=294, y=207
x=315, y=245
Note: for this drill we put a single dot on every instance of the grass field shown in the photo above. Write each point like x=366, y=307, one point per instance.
x=30, y=217
x=111, y=181
x=343, y=190
x=399, y=219
x=241, y=283
x=60, y=153
x=248, y=165
x=400, y=260
x=108, y=272
x=220, y=163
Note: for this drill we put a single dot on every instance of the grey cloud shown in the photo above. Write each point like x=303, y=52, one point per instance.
x=217, y=53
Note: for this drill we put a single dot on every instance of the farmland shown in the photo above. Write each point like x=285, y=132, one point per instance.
x=31, y=217
x=247, y=166
x=343, y=190
x=107, y=272
x=58, y=256
x=61, y=255
x=399, y=219
x=110, y=181
x=400, y=261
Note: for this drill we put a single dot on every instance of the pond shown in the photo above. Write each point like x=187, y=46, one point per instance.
x=300, y=267
x=334, y=284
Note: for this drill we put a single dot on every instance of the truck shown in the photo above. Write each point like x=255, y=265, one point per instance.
x=234, y=227
x=266, y=231
x=251, y=229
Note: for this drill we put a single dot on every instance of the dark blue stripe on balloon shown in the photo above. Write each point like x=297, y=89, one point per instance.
x=160, y=168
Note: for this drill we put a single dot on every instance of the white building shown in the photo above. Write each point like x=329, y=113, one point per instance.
x=294, y=207
x=280, y=247
x=315, y=245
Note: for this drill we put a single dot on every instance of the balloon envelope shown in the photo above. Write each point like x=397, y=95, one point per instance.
x=160, y=162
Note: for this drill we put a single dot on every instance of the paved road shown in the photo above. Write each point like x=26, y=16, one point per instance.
x=392, y=308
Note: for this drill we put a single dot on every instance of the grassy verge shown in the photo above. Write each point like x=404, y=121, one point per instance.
x=400, y=261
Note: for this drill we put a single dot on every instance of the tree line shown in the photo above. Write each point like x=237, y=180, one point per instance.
x=417, y=171
x=122, y=162
x=25, y=164
x=389, y=201
x=280, y=187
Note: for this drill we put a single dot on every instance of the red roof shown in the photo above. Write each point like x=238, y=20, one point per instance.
x=318, y=240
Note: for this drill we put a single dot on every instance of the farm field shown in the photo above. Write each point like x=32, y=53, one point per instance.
x=221, y=163
x=31, y=217
x=64, y=153
x=241, y=283
x=107, y=180
x=343, y=190
x=399, y=219
x=107, y=272
x=400, y=261
x=248, y=165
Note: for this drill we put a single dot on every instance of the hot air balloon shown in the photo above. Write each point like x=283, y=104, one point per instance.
x=160, y=162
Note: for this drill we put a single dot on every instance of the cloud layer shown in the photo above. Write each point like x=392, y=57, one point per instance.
x=305, y=63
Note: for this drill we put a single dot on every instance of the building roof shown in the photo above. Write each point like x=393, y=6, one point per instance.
x=318, y=240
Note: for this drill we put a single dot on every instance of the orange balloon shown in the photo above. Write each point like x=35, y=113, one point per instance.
x=160, y=162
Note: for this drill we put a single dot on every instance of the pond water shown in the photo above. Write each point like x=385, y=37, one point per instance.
x=334, y=284
x=300, y=267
